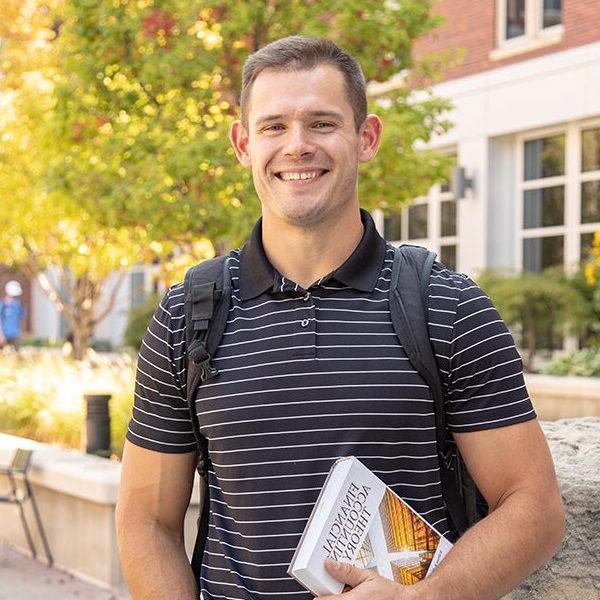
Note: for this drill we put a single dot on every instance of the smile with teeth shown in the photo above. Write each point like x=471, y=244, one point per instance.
x=302, y=176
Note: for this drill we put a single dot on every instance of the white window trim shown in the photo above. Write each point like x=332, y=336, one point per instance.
x=534, y=38
x=434, y=240
x=434, y=198
x=572, y=229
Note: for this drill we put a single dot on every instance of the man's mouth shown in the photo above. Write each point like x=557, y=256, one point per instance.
x=300, y=175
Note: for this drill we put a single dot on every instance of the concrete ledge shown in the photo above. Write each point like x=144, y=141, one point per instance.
x=76, y=494
x=67, y=471
x=564, y=397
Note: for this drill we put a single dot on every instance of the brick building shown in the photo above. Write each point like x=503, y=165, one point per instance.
x=526, y=131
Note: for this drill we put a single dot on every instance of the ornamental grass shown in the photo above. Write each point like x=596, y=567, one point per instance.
x=41, y=394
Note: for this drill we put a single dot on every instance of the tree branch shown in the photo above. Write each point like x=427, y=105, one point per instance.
x=45, y=282
x=111, y=301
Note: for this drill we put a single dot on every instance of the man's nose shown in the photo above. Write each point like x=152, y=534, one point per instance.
x=299, y=143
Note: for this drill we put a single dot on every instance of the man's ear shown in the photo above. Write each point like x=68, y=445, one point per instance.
x=238, y=137
x=370, y=137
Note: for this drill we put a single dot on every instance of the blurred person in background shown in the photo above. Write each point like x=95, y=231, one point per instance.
x=12, y=314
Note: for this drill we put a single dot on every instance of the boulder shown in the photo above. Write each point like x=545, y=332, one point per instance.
x=574, y=573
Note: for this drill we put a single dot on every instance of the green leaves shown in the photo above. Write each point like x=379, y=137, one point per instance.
x=116, y=116
x=151, y=92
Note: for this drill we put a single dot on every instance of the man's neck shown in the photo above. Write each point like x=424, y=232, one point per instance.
x=304, y=255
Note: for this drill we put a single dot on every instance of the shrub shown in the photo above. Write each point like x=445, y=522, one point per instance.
x=590, y=290
x=537, y=304
x=583, y=363
x=41, y=394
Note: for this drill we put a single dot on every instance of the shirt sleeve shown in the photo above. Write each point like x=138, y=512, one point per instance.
x=482, y=369
x=160, y=419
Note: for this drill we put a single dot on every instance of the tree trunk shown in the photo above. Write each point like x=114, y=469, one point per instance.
x=85, y=296
x=77, y=301
x=82, y=335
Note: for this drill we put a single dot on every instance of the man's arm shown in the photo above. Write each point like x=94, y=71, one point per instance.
x=513, y=469
x=153, y=498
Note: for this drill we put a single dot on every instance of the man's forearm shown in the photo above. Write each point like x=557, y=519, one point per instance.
x=155, y=564
x=494, y=556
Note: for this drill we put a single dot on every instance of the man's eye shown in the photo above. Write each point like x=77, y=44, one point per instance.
x=274, y=127
x=323, y=125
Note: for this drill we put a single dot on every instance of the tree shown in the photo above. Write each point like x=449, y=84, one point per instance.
x=47, y=232
x=48, y=236
x=143, y=119
x=115, y=148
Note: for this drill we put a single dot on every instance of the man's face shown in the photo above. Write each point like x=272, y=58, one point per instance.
x=302, y=144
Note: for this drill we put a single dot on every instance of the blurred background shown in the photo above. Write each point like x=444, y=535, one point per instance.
x=116, y=174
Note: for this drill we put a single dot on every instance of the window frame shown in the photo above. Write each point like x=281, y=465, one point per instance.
x=535, y=36
x=572, y=228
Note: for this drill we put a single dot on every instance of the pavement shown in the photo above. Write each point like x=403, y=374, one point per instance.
x=24, y=578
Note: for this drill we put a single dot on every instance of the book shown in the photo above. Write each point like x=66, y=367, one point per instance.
x=357, y=519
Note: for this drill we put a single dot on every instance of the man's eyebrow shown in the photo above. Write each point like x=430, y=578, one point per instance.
x=313, y=113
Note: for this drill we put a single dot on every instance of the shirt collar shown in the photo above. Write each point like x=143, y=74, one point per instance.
x=360, y=271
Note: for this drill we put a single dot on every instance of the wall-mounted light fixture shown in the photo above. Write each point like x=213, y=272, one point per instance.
x=459, y=183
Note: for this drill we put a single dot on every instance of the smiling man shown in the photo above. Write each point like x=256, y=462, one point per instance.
x=310, y=370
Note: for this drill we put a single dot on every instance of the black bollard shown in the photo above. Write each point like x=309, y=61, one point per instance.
x=97, y=424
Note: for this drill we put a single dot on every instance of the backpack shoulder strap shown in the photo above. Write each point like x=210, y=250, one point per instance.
x=207, y=295
x=409, y=304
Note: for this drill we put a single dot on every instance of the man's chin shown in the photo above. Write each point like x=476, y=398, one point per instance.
x=305, y=216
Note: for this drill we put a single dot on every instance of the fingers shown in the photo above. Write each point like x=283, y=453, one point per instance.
x=347, y=573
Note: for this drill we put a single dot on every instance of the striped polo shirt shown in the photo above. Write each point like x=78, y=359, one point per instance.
x=307, y=376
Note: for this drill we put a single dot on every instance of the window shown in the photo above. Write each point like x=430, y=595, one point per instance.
x=524, y=25
x=559, y=196
x=589, y=188
x=515, y=19
x=430, y=221
x=392, y=227
x=541, y=253
x=543, y=202
x=137, y=288
x=417, y=221
x=551, y=13
x=412, y=224
x=587, y=241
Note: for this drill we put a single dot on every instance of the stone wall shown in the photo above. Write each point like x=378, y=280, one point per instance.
x=574, y=573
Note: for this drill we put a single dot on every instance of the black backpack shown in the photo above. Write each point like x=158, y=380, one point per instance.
x=207, y=295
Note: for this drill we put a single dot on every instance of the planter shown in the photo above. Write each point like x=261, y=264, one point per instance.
x=564, y=397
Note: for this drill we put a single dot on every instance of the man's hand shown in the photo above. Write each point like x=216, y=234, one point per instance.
x=365, y=584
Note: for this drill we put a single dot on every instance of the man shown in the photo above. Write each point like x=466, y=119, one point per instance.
x=310, y=370
x=12, y=314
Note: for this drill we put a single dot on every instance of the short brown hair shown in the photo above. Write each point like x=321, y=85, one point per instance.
x=297, y=53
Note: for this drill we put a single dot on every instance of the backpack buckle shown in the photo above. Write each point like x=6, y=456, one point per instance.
x=207, y=371
x=449, y=458
x=201, y=358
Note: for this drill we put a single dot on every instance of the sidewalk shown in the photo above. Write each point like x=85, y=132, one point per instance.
x=23, y=578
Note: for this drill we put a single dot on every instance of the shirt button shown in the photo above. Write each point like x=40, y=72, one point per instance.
x=304, y=323
x=306, y=297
